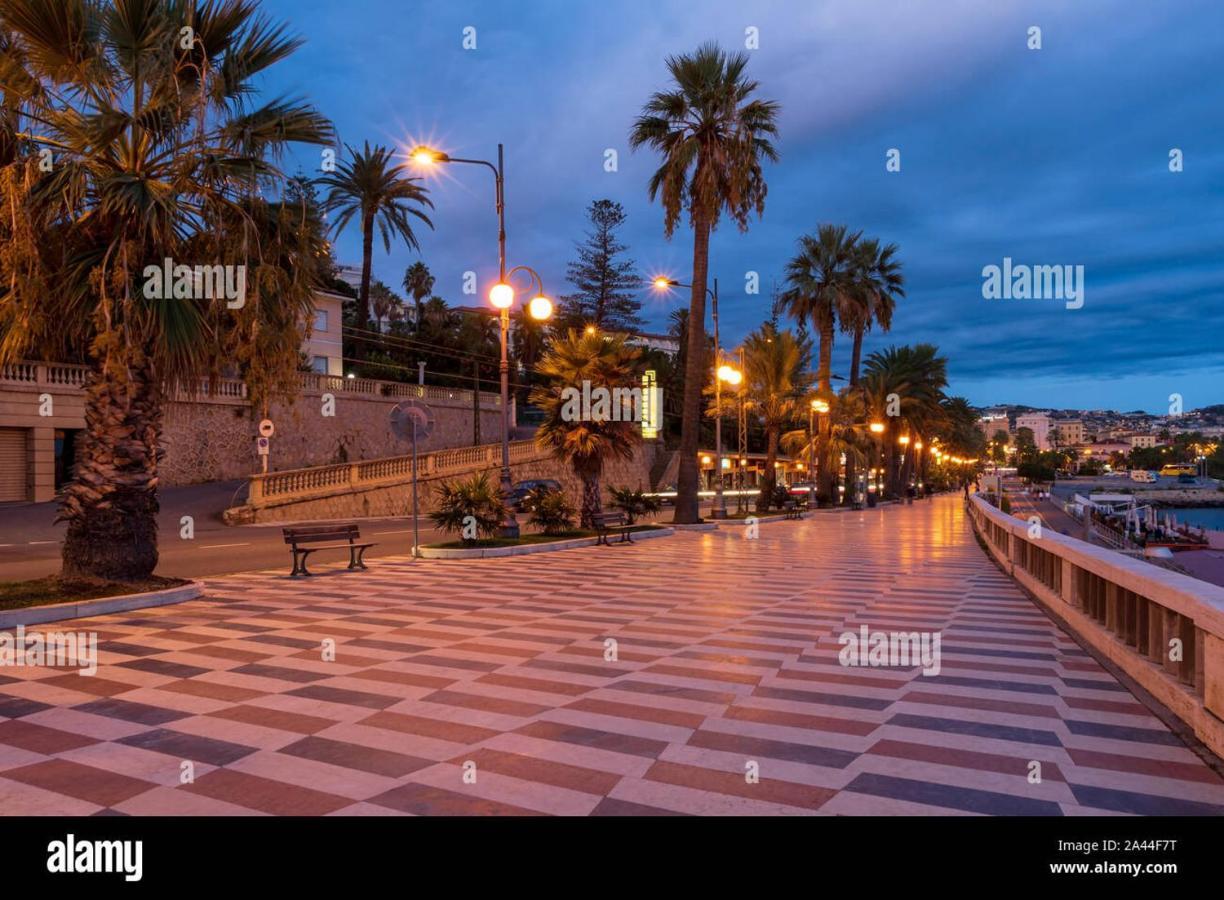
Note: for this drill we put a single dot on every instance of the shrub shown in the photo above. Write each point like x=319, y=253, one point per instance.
x=634, y=503
x=462, y=504
x=1005, y=504
x=552, y=511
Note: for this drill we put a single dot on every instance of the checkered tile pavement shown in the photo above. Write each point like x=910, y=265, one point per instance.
x=727, y=655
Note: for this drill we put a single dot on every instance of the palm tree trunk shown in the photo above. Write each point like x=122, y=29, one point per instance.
x=824, y=381
x=592, y=503
x=111, y=505
x=770, y=481
x=688, y=509
x=367, y=261
x=856, y=356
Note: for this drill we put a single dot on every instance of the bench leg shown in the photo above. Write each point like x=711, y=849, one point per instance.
x=356, y=560
x=299, y=563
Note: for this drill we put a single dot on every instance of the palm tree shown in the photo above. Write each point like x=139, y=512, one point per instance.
x=775, y=381
x=369, y=187
x=419, y=284
x=877, y=285
x=713, y=138
x=820, y=288
x=847, y=436
x=586, y=444
x=915, y=376
x=382, y=301
x=158, y=152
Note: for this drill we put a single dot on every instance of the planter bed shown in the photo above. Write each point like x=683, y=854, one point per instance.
x=49, y=600
x=533, y=543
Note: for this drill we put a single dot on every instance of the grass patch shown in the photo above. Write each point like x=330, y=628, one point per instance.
x=54, y=589
x=538, y=538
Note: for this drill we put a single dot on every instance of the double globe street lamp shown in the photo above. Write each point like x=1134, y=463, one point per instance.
x=501, y=296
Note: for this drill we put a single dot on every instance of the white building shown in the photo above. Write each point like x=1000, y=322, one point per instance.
x=1039, y=424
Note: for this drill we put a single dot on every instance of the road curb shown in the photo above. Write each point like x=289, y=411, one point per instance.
x=492, y=552
x=79, y=609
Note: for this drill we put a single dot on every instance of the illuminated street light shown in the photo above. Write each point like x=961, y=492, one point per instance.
x=540, y=308
x=501, y=295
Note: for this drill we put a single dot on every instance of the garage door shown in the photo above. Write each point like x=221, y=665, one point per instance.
x=12, y=464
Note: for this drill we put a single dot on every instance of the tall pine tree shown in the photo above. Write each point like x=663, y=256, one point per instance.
x=606, y=286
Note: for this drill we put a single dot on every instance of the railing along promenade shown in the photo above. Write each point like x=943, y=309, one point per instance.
x=317, y=482
x=1163, y=629
x=67, y=376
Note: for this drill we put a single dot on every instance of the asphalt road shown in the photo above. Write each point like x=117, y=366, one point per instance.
x=30, y=540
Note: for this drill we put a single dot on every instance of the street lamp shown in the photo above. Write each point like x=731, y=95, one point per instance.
x=502, y=297
x=818, y=407
x=877, y=428
x=733, y=377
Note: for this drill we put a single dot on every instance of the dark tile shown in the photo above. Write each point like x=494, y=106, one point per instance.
x=340, y=695
x=163, y=667
x=188, y=746
x=356, y=756
x=978, y=729
x=140, y=713
x=1142, y=804
x=1124, y=733
x=281, y=673
x=968, y=799
x=16, y=707
x=767, y=749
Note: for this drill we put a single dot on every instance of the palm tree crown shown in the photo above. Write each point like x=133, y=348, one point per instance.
x=369, y=186
x=144, y=110
x=605, y=361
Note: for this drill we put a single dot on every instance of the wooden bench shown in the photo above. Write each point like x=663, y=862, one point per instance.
x=319, y=535
x=794, y=509
x=611, y=523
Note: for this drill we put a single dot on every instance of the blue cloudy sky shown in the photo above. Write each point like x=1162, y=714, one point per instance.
x=1050, y=156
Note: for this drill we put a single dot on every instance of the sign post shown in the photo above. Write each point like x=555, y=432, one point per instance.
x=264, y=443
x=412, y=419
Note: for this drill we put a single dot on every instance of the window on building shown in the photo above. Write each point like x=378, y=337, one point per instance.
x=319, y=364
x=320, y=323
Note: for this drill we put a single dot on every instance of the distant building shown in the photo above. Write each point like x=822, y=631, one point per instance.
x=324, y=349
x=1070, y=432
x=1143, y=441
x=1039, y=425
x=989, y=425
x=668, y=343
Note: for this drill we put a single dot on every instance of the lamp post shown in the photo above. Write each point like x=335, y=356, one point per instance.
x=821, y=407
x=877, y=428
x=501, y=295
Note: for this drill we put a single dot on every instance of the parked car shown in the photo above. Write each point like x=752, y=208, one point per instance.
x=519, y=499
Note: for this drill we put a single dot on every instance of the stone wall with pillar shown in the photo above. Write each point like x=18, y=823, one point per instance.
x=389, y=500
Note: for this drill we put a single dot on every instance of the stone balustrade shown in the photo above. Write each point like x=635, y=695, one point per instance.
x=295, y=485
x=1163, y=629
x=69, y=376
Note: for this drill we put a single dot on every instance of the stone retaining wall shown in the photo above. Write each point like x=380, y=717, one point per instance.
x=215, y=440
x=396, y=499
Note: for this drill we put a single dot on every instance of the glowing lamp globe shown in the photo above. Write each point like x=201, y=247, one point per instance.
x=501, y=295
x=540, y=308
